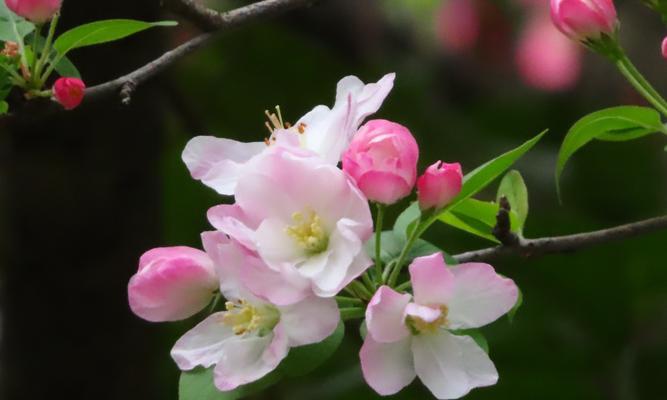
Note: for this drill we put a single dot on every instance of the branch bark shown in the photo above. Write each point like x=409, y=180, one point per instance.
x=563, y=244
x=212, y=21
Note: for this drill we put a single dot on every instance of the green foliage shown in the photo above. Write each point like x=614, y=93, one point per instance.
x=9, y=22
x=476, y=335
x=519, y=301
x=102, y=32
x=392, y=244
x=514, y=189
x=477, y=217
x=611, y=124
x=198, y=383
x=407, y=220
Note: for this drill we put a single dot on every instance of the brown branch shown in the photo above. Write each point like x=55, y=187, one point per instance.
x=219, y=22
x=562, y=244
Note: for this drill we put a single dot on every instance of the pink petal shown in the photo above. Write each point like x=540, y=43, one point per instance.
x=425, y=313
x=309, y=321
x=387, y=367
x=385, y=315
x=451, y=366
x=218, y=162
x=384, y=187
x=480, y=296
x=231, y=220
x=432, y=280
x=249, y=358
x=202, y=345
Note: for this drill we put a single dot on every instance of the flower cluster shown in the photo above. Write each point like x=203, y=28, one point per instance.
x=295, y=237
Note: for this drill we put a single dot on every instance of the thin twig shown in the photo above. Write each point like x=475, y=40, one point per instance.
x=562, y=244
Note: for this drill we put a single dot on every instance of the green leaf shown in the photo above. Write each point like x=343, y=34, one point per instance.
x=4, y=107
x=198, y=385
x=102, y=32
x=7, y=21
x=304, y=359
x=66, y=68
x=519, y=301
x=514, y=189
x=408, y=217
x=392, y=244
x=611, y=124
x=476, y=335
x=477, y=217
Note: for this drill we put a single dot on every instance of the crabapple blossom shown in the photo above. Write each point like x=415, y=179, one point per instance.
x=218, y=162
x=584, y=19
x=382, y=159
x=69, y=92
x=38, y=11
x=252, y=337
x=439, y=185
x=306, y=220
x=172, y=283
x=411, y=336
x=663, y=48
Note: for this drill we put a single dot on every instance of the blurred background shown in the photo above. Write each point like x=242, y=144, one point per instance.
x=83, y=194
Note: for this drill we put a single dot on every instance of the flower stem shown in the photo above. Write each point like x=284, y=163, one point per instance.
x=351, y=313
x=46, y=51
x=379, y=219
x=35, y=35
x=637, y=80
x=398, y=266
x=403, y=286
x=361, y=290
x=349, y=301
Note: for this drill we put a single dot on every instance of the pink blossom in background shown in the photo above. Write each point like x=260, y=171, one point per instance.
x=382, y=160
x=584, y=19
x=327, y=132
x=458, y=24
x=172, y=283
x=252, y=337
x=411, y=336
x=38, y=11
x=304, y=217
x=69, y=92
x=663, y=48
x=439, y=184
x=545, y=58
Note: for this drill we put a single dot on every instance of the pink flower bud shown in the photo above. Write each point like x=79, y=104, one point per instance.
x=664, y=48
x=439, y=185
x=584, y=19
x=69, y=92
x=172, y=283
x=38, y=11
x=546, y=59
x=382, y=159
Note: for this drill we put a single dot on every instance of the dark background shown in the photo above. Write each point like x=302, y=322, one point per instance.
x=84, y=193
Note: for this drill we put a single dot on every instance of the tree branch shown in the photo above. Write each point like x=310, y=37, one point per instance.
x=562, y=244
x=210, y=20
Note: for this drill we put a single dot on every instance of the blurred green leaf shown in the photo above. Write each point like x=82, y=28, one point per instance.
x=406, y=219
x=7, y=21
x=4, y=107
x=102, y=32
x=611, y=124
x=198, y=385
x=66, y=68
x=476, y=335
x=519, y=301
x=392, y=244
x=514, y=189
x=302, y=360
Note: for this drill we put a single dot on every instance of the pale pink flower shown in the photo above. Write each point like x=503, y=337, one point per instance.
x=326, y=131
x=38, y=11
x=304, y=218
x=382, y=159
x=546, y=59
x=69, y=92
x=458, y=24
x=584, y=19
x=252, y=337
x=411, y=336
x=439, y=185
x=172, y=283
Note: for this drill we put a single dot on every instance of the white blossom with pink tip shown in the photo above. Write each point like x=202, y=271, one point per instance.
x=218, y=162
x=252, y=337
x=411, y=336
x=306, y=220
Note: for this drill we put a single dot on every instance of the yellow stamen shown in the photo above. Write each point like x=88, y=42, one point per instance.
x=418, y=325
x=308, y=231
x=243, y=317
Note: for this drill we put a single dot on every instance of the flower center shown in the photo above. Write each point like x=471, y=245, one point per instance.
x=243, y=317
x=275, y=122
x=417, y=325
x=308, y=232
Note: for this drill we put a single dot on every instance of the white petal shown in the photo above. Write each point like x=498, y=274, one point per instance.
x=275, y=245
x=218, y=162
x=249, y=358
x=385, y=315
x=387, y=367
x=451, y=366
x=432, y=281
x=202, y=345
x=480, y=296
x=309, y=321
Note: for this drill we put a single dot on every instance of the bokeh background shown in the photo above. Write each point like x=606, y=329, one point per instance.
x=84, y=193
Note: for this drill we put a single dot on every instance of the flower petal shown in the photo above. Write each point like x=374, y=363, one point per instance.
x=231, y=220
x=480, y=296
x=451, y=366
x=202, y=345
x=385, y=315
x=249, y=358
x=218, y=162
x=424, y=313
x=387, y=367
x=309, y=321
x=432, y=280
